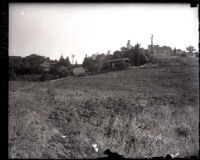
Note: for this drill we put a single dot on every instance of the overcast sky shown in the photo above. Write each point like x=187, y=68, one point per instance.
x=64, y=28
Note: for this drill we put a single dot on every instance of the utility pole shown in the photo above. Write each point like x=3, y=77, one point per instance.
x=152, y=44
x=73, y=58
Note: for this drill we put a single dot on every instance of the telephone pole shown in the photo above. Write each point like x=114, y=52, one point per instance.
x=152, y=44
x=73, y=58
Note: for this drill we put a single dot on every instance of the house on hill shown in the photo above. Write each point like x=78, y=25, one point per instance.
x=160, y=50
x=114, y=62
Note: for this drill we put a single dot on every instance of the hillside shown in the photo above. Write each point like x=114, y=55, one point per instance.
x=137, y=112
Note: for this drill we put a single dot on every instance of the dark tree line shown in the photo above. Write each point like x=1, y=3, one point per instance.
x=33, y=65
x=26, y=65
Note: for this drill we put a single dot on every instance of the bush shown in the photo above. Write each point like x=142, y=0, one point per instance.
x=183, y=55
x=183, y=130
x=91, y=65
x=63, y=71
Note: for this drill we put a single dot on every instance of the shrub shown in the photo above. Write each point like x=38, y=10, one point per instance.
x=183, y=55
x=182, y=131
x=63, y=71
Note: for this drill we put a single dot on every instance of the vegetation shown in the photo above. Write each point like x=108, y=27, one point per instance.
x=40, y=68
x=31, y=68
x=137, y=112
x=137, y=55
x=140, y=112
x=190, y=49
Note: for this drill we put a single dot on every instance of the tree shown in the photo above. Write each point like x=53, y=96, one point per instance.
x=67, y=62
x=100, y=57
x=137, y=46
x=93, y=65
x=136, y=55
x=15, y=64
x=128, y=45
x=31, y=64
x=190, y=49
x=174, y=51
x=88, y=64
x=117, y=54
x=197, y=54
x=63, y=62
x=108, y=56
x=63, y=71
x=124, y=49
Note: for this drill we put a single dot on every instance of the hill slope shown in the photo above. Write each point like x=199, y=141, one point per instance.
x=137, y=113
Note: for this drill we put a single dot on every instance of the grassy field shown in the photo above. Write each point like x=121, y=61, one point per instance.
x=137, y=112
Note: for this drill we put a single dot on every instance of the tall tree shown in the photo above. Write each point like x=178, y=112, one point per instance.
x=61, y=61
x=190, y=49
x=67, y=62
x=128, y=45
x=117, y=54
x=174, y=51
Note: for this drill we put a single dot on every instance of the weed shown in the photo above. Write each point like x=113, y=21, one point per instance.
x=182, y=131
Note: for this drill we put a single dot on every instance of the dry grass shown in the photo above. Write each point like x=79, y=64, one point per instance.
x=137, y=113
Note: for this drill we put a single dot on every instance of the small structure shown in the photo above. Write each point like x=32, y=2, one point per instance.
x=115, y=62
x=78, y=71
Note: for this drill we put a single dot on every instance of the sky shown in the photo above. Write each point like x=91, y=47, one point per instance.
x=53, y=30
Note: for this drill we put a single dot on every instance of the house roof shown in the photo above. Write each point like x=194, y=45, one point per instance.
x=117, y=59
